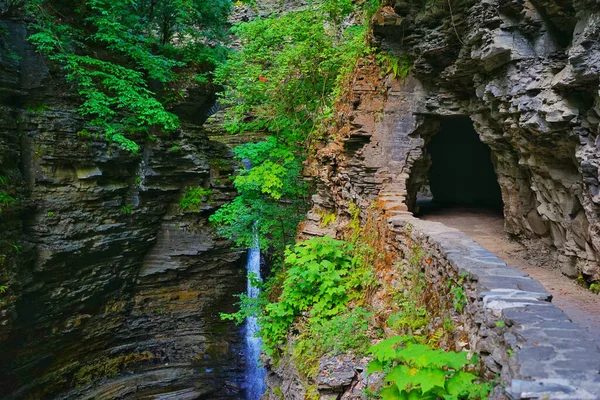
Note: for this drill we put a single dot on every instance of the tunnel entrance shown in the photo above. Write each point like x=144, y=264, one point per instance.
x=461, y=173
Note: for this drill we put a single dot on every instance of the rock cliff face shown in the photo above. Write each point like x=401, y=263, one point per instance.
x=525, y=73
x=111, y=290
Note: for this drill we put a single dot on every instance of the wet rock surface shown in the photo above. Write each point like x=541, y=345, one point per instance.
x=112, y=290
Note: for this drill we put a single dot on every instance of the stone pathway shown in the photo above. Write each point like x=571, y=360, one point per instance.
x=487, y=228
x=539, y=353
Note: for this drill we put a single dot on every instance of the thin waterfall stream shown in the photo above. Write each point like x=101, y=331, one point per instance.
x=255, y=374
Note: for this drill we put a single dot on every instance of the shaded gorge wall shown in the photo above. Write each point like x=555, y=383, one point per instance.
x=112, y=290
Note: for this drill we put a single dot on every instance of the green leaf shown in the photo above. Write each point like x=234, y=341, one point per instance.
x=429, y=378
x=386, y=349
x=392, y=393
x=402, y=376
x=460, y=383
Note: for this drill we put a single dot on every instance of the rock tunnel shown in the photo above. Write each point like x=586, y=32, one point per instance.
x=457, y=170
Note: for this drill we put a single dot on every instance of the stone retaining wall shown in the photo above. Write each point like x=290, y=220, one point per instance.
x=523, y=339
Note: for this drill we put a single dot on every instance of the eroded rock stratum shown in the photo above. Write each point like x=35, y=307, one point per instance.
x=525, y=73
x=112, y=290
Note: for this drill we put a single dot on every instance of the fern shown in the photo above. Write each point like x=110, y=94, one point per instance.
x=6, y=201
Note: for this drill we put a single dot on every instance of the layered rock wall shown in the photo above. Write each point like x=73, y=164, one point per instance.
x=525, y=73
x=111, y=289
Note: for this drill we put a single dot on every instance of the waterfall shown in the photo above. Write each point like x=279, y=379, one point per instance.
x=255, y=374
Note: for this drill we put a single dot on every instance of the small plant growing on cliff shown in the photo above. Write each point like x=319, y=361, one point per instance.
x=17, y=248
x=84, y=133
x=6, y=201
x=399, y=67
x=348, y=331
x=194, y=198
x=415, y=371
x=326, y=218
x=126, y=209
x=459, y=300
x=595, y=288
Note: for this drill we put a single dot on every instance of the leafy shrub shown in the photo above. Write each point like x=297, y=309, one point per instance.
x=415, y=371
x=283, y=82
x=398, y=67
x=459, y=299
x=315, y=282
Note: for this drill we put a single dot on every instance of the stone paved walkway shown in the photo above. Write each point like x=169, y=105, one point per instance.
x=487, y=228
x=549, y=356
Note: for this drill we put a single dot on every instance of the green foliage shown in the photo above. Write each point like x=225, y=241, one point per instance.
x=459, y=299
x=51, y=214
x=147, y=35
x=500, y=324
x=126, y=209
x=38, y=109
x=194, y=198
x=319, y=280
x=6, y=201
x=326, y=219
x=415, y=371
x=270, y=197
x=175, y=148
x=595, y=288
x=412, y=316
x=342, y=333
x=317, y=271
x=283, y=82
x=398, y=67
x=84, y=133
x=17, y=247
x=2, y=291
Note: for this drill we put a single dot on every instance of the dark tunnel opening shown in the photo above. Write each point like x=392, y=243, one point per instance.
x=461, y=171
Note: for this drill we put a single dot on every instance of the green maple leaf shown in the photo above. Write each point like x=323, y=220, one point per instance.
x=429, y=378
x=385, y=350
x=418, y=355
x=402, y=376
x=451, y=360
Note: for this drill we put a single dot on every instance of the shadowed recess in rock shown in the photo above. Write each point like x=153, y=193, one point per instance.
x=461, y=171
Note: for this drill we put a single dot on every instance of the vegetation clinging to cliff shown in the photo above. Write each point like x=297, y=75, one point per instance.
x=111, y=49
x=283, y=82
